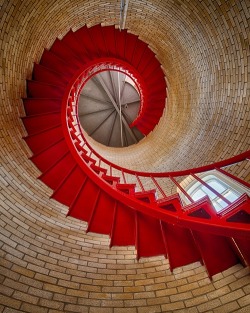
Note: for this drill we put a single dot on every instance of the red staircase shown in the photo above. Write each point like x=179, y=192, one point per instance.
x=114, y=200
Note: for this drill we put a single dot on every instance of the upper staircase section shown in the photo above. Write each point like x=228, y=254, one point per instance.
x=77, y=50
x=151, y=211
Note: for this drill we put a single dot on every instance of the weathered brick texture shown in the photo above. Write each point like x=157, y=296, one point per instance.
x=48, y=263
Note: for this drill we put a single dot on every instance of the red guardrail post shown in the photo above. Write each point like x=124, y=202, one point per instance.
x=182, y=189
x=211, y=189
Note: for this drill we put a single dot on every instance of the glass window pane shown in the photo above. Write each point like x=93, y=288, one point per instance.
x=230, y=195
x=221, y=203
x=198, y=194
x=215, y=184
x=217, y=206
x=209, y=192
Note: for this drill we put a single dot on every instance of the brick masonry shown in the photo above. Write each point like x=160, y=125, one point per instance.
x=48, y=263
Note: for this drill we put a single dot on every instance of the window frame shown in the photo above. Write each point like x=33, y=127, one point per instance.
x=230, y=184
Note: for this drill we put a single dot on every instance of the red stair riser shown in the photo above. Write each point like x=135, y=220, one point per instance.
x=35, y=106
x=149, y=237
x=63, y=52
x=43, y=74
x=38, y=123
x=124, y=226
x=42, y=90
x=54, y=176
x=99, y=42
x=180, y=237
x=103, y=215
x=84, y=204
x=49, y=157
x=66, y=192
x=216, y=252
x=40, y=141
x=52, y=61
x=78, y=47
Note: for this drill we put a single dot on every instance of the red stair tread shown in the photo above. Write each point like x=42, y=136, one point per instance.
x=34, y=106
x=108, y=33
x=157, y=85
x=99, y=170
x=79, y=48
x=156, y=88
x=139, y=52
x=126, y=188
x=63, y=51
x=84, y=36
x=112, y=180
x=67, y=191
x=149, y=237
x=147, y=196
x=50, y=156
x=49, y=76
x=38, y=123
x=97, y=35
x=152, y=67
x=238, y=211
x=52, y=61
x=171, y=203
x=37, y=89
x=40, y=141
x=201, y=208
x=120, y=42
x=156, y=100
x=131, y=41
x=147, y=57
x=111, y=36
x=123, y=233
x=58, y=171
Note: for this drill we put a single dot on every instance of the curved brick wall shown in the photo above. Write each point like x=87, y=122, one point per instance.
x=48, y=263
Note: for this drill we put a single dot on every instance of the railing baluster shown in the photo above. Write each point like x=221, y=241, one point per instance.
x=211, y=189
x=182, y=189
x=124, y=178
x=233, y=177
x=158, y=187
x=140, y=183
x=110, y=169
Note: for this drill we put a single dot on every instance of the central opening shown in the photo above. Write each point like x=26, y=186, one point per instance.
x=108, y=103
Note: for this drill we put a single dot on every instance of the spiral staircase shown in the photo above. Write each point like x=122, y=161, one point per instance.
x=116, y=201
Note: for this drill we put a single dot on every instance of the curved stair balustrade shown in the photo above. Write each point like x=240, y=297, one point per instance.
x=85, y=154
x=133, y=208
